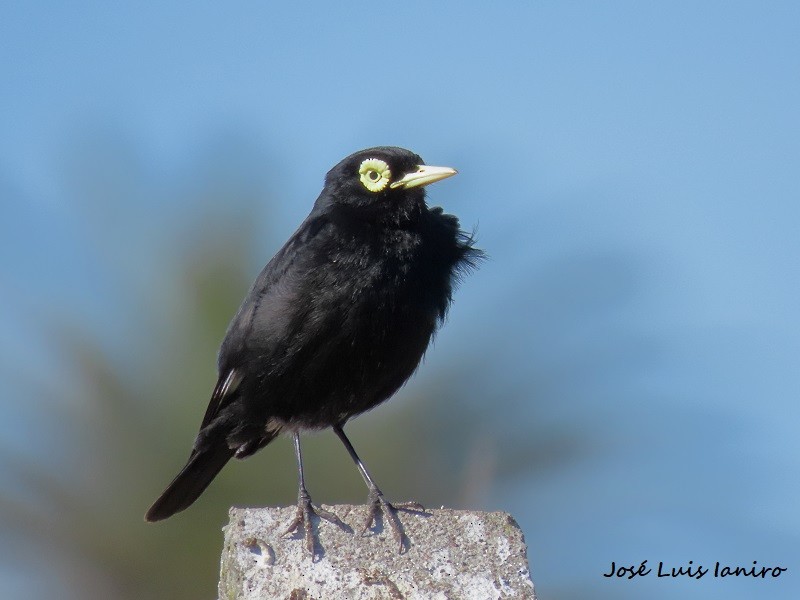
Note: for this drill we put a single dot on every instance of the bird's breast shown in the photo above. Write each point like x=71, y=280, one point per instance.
x=370, y=313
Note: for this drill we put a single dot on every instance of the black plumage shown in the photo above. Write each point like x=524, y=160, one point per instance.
x=335, y=323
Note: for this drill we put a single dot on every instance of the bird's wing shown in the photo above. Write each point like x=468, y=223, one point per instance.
x=267, y=315
x=223, y=393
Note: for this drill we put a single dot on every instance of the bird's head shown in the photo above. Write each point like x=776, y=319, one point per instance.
x=383, y=180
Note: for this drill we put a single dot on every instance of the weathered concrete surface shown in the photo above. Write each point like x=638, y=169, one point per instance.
x=452, y=555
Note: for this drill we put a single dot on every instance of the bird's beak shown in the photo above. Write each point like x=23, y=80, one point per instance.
x=424, y=175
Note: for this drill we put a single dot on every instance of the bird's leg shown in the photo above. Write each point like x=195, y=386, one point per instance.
x=305, y=509
x=376, y=502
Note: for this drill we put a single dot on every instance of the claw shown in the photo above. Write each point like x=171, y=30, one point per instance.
x=378, y=505
x=303, y=517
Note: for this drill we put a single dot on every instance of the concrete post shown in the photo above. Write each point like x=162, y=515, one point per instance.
x=452, y=555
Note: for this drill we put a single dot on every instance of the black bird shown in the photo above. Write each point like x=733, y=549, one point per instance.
x=335, y=323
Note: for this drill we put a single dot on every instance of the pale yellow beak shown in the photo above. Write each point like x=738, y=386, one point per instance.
x=424, y=175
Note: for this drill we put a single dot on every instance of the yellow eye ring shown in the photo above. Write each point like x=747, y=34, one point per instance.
x=374, y=174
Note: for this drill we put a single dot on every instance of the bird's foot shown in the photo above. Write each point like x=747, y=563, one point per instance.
x=303, y=518
x=378, y=505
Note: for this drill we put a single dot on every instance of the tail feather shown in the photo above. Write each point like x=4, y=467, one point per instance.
x=193, y=479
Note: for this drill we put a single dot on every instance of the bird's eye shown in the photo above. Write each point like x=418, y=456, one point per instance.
x=374, y=174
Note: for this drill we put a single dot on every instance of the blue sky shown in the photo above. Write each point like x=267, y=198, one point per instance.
x=632, y=169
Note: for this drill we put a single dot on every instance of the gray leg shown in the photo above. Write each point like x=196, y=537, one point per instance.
x=305, y=509
x=376, y=502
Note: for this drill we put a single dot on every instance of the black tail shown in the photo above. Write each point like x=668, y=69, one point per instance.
x=193, y=479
